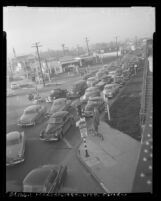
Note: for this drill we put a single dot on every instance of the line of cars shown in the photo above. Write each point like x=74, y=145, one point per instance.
x=49, y=178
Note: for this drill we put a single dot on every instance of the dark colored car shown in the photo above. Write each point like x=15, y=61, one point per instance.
x=93, y=102
x=60, y=104
x=57, y=93
x=58, y=125
x=77, y=89
x=45, y=179
x=31, y=115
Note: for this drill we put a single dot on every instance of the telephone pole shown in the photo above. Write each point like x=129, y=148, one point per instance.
x=37, y=48
x=63, y=46
x=117, y=46
x=87, y=45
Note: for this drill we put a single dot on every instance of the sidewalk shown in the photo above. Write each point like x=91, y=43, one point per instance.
x=112, y=161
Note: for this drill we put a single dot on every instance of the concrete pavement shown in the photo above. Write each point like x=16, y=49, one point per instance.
x=112, y=161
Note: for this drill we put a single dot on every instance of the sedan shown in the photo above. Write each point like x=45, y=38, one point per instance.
x=58, y=125
x=60, y=104
x=111, y=89
x=88, y=95
x=15, y=148
x=10, y=92
x=45, y=179
x=57, y=93
x=101, y=85
x=91, y=81
x=31, y=115
x=97, y=102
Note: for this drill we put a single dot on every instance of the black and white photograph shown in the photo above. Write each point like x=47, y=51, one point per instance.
x=79, y=90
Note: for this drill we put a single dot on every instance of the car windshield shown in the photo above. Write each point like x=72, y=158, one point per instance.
x=13, y=141
x=55, y=120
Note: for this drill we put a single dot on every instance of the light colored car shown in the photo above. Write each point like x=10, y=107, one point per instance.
x=60, y=104
x=15, y=148
x=10, y=92
x=93, y=102
x=45, y=179
x=57, y=126
x=14, y=86
x=91, y=81
x=111, y=89
x=31, y=115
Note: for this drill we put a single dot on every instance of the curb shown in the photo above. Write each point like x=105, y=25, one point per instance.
x=90, y=171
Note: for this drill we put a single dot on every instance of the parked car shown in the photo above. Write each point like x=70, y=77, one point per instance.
x=100, y=74
x=60, y=104
x=107, y=79
x=93, y=102
x=14, y=86
x=31, y=115
x=15, y=148
x=111, y=89
x=101, y=85
x=91, y=81
x=57, y=93
x=10, y=92
x=57, y=126
x=78, y=89
x=45, y=179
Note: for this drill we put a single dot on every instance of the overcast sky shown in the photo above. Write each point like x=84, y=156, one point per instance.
x=54, y=26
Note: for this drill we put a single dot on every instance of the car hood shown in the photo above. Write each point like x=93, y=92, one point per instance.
x=12, y=152
x=27, y=117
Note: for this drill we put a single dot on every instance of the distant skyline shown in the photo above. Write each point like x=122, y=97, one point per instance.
x=55, y=26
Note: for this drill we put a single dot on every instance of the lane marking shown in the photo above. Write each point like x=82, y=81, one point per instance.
x=67, y=143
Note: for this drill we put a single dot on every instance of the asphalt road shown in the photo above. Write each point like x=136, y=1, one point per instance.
x=39, y=152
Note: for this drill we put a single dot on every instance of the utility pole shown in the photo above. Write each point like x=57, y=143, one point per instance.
x=116, y=46
x=63, y=46
x=37, y=46
x=48, y=69
x=87, y=45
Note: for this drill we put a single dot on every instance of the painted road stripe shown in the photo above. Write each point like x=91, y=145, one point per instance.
x=67, y=143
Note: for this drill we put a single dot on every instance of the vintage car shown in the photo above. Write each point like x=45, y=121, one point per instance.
x=100, y=74
x=10, y=92
x=107, y=79
x=77, y=89
x=93, y=102
x=45, y=179
x=15, y=86
x=60, y=104
x=15, y=148
x=57, y=93
x=57, y=126
x=111, y=89
x=31, y=115
x=101, y=85
x=90, y=94
x=91, y=81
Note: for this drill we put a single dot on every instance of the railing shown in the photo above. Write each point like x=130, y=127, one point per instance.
x=143, y=97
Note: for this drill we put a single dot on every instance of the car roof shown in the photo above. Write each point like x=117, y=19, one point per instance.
x=59, y=114
x=91, y=78
x=13, y=135
x=31, y=107
x=39, y=175
x=59, y=99
x=95, y=98
x=91, y=88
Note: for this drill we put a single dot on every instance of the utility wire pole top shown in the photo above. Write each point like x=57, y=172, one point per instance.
x=37, y=48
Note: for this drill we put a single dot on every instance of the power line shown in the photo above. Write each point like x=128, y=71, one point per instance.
x=37, y=48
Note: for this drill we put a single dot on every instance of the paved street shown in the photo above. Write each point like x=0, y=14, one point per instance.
x=39, y=153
